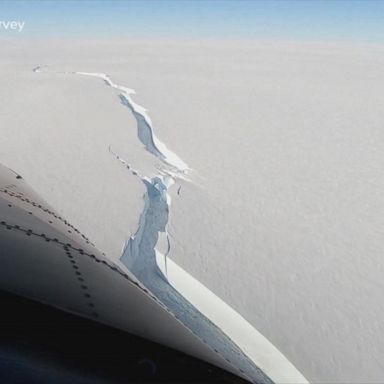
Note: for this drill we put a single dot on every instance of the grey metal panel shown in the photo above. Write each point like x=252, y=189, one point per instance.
x=45, y=258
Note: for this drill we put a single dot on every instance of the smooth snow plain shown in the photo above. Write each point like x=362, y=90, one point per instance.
x=280, y=213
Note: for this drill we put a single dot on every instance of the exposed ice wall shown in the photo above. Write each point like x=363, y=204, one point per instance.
x=141, y=256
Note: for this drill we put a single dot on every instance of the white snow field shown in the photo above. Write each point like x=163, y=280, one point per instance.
x=255, y=167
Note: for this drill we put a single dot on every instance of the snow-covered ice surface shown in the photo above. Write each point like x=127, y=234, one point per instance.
x=282, y=218
x=142, y=257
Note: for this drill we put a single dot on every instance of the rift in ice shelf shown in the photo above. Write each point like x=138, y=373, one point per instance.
x=45, y=258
